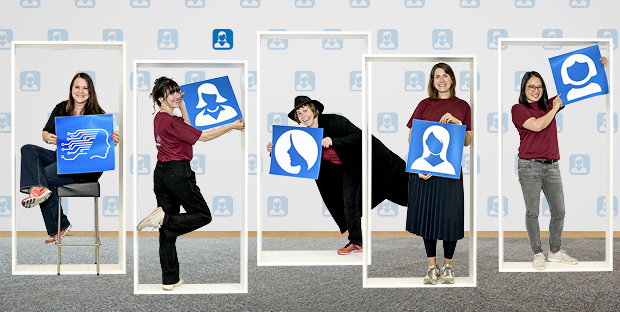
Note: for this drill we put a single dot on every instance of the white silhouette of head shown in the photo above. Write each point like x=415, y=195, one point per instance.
x=387, y=37
x=3, y=205
x=221, y=36
x=303, y=143
x=221, y=204
x=112, y=204
x=166, y=37
x=413, y=79
x=358, y=77
x=387, y=120
x=195, y=77
x=552, y=34
x=442, y=135
x=442, y=36
x=3, y=120
x=577, y=58
x=211, y=89
x=56, y=36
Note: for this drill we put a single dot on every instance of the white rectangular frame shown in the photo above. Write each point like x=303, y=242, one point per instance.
x=219, y=288
x=50, y=269
x=606, y=265
x=402, y=282
x=297, y=257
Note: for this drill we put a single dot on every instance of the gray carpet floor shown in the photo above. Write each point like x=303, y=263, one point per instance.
x=319, y=288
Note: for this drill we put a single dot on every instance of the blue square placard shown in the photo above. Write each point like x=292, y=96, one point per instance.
x=85, y=143
x=211, y=103
x=436, y=148
x=296, y=152
x=579, y=75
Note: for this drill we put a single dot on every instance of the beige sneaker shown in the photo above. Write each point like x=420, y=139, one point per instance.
x=539, y=261
x=447, y=275
x=431, y=275
x=153, y=220
x=561, y=257
x=171, y=287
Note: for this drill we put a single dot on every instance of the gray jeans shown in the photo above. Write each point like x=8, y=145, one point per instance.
x=535, y=176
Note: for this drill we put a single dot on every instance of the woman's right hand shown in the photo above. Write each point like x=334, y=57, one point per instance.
x=557, y=103
x=269, y=147
x=238, y=124
x=424, y=176
x=52, y=139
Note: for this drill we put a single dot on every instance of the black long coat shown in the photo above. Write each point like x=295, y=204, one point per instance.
x=389, y=179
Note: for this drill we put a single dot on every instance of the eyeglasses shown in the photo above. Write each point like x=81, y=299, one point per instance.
x=532, y=88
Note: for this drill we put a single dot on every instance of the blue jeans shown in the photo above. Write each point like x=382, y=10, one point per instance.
x=535, y=176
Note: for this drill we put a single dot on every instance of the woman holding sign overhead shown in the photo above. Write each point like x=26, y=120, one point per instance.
x=174, y=179
x=436, y=204
x=39, y=177
x=539, y=153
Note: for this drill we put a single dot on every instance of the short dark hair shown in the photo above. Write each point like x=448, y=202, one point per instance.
x=163, y=87
x=543, y=102
x=432, y=91
x=311, y=106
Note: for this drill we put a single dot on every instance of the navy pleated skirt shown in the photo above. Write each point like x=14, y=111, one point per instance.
x=436, y=208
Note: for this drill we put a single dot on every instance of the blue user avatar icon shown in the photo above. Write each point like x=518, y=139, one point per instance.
x=332, y=43
x=493, y=206
x=85, y=3
x=493, y=122
x=545, y=207
x=493, y=36
x=355, y=80
x=110, y=206
x=57, y=35
x=5, y=206
x=579, y=164
x=608, y=33
x=414, y=81
x=211, y=103
x=276, y=119
x=143, y=164
x=601, y=206
x=304, y=3
x=167, y=39
x=387, y=122
x=112, y=35
x=470, y=3
x=442, y=39
x=277, y=44
x=465, y=81
x=250, y=3
x=194, y=4
x=579, y=74
x=387, y=209
x=6, y=37
x=324, y=210
x=359, y=3
x=559, y=121
x=5, y=122
x=304, y=81
x=277, y=206
x=580, y=4
x=253, y=164
x=222, y=39
x=296, y=152
x=30, y=3
x=601, y=123
x=252, y=86
x=144, y=80
x=552, y=34
x=466, y=164
x=436, y=148
x=414, y=3
x=525, y=3
x=387, y=39
x=194, y=76
x=198, y=164
x=518, y=78
x=222, y=206
x=140, y=3
x=30, y=81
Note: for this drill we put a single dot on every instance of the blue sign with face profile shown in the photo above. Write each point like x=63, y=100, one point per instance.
x=436, y=148
x=6, y=37
x=579, y=74
x=211, y=103
x=85, y=143
x=296, y=152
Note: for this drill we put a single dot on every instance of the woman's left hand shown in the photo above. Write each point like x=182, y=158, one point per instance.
x=327, y=142
x=116, y=138
x=448, y=118
x=604, y=61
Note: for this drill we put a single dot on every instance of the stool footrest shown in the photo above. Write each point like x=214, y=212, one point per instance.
x=79, y=245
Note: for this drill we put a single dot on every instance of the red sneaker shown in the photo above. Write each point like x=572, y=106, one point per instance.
x=37, y=195
x=349, y=249
x=53, y=239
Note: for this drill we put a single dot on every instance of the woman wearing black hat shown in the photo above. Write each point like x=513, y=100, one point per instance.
x=340, y=176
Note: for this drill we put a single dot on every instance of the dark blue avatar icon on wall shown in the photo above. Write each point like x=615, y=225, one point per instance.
x=211, y=103
x=222, y=39
x=296, y=151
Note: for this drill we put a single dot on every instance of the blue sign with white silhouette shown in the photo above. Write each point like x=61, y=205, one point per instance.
x=140, y=3
x=144, y=164
x=276, y=119
x=608, y=33
x=470, y=3
x=110, y=206
x=436, y=148
x=414, y=81
x=222, y=39
x=387, y=39
x=387, y=209
x=112, y=35
x=493, y=36
x=277, y=44
x=198, y=164
x=332, y=43
x=580, y=4
x=414, y=3
x=579, y=164
x=601, y=206
x=85, y=3
x=5, y=206
x=304, y=3
x=359, y=3
x=250, y=3
x=5, y=122
x=144, y=80
x=296, y=151
x=304, y=81
x=493, y=206
x=57, y=35
x=195, y=4
x=601, y=123
x=31, y=4
x=6, y=37
x=167, y=39
x=442, y=39
x=222, y=206
x=579, y=74
x=211, y=103
x=194, y=76
x=465, y=81
x=552, y=34
x=277, y=206
x=355, y=80
x=525, y=3
x=253, y=164
x=493, y=122
x=466, y=164
x=387, y=122
x=85, y=143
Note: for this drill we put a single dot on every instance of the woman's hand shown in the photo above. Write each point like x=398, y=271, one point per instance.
x=269, y=147
x=448, y=118
x=51, y=139
x=238, y=124
x=604, y=61
x=424, y=176
x=557, y=103
x=327, y=142
x=116, y=137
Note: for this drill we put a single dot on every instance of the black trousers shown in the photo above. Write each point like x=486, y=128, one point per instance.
x=175, y=185
x=431, y=248
x=352, y=205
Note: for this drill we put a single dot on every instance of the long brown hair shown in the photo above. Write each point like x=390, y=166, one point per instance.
x=92, y=105
x=433, y=94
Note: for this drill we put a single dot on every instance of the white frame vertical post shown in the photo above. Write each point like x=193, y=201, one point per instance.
x=218, y=288
x=298, y=257
x=50, y=269
x=607, y=264
x=398, y=282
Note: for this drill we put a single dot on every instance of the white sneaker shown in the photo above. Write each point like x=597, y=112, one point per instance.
x=153, y=220
x=171, y=287
x=539, y=261
x=447, y=275
x=561, y=257
x=431, y=275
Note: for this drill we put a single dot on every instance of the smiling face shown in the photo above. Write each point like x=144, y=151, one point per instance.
x=442, y=83
x=306, y=116
x=533, y=89
x=79, y=91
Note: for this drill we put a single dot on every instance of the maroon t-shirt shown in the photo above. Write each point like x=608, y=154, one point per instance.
x=330, y=154
x=543, y=144
x=174, y=138
x=432, y=110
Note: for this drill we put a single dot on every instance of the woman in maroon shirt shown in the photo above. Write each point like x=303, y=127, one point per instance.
x=174, y=180
x=436, y=204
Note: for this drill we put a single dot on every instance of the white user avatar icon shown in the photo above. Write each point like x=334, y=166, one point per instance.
x=85, y=3
x=434, y=158
x=465, y=86
x=221, y=41
x=359, y=3
x=166, y=41
x=387, y=124
x=111, y=36
x=296, y=151
x=4, y=123
x=357, y=82
x=215, y=112
x=30, y=3
x=4, y=40
x=222, y=208
x=30, y=84
x=195, y=3
x=386, y=210
x=276, y=208
x=331, y=44
x=249, y=3
x=579, y=3
x=494, y=211
x=414, y=83
x=494, y=126
x=524, y=3
x=56, y=36
x=494, y=44
x=142, y=169
x=303, y=3
x=579, y=166
x=304, y=83
x=4, y=207
x=195, y=164
x=194, y=77
x=414, y=3
x=277, y=44
x=142, y=86
x=251, y=81
x=276, y=120
x=139, y=3
x=387, y=41
x=442, y=42
x=469, y=3
x=591, y=88
x=112, y=208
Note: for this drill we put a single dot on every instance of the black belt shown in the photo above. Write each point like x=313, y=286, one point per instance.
x=546, y=161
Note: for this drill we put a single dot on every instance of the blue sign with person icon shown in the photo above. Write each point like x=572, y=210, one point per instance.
x=144, y=80
x=143, y=164
x=466, y=164
x=277, y=206
x=414, y=81
x=6, y=37
x=414, y=3
x=355, y=80
x=436, y=148
x=296, y=152
x=222, y=206
x=304, y=3
x=359, y=3
x=85, y=3
x=194, y=76
x=198, y=164
x=30, y=4
x=579, y=164
x=601, y=206
x=579, y=74
x=442, y=39
x=525, y=3
x=602, y=123
x=608, y=33
x=493, y=36
x=579, y=4
x=167, y=39
x=387, y=122
x=332, y=43
x=465, y=81
x=142, y=4
x=57, y=35
x=5, y=122
x=195, y=4
x=276, y=119
x=493, y=122
x=112, y=35
x=222, y=39
x=304, y=81
x=387, y=209
x=387, y=39
x=250, y=3
x=5, y=206
x=30, y=81
x=211, y=103
x=85, y=143
x=493, y=206
x=110, y=206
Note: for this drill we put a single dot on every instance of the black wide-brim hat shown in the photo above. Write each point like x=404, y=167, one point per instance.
x=302, y=100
